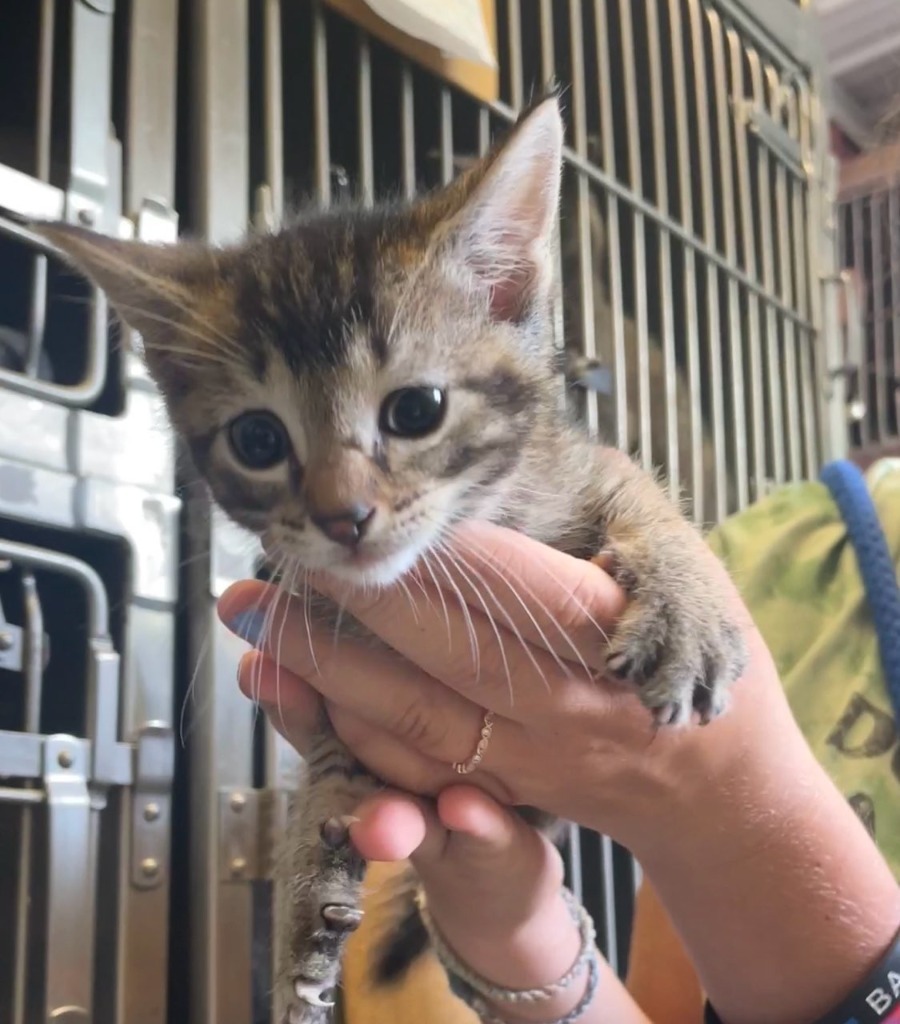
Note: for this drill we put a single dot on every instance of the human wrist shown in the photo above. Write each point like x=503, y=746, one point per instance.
x=535, y=951
x=776, y=848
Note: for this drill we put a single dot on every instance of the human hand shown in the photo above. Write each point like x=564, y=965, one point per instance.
x=734, y=822
x=494, y=894
x=563, y=741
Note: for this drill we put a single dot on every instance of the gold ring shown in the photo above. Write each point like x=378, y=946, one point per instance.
x=467, y=767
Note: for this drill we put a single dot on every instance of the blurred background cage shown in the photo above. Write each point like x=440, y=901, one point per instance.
x=698, y=325
x=869, y=243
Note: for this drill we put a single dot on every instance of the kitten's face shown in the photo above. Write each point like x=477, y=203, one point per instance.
x=353, y=385
x=349, y=429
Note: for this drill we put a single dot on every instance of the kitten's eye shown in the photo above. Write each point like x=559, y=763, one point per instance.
x=258, y=439
x=413, y=412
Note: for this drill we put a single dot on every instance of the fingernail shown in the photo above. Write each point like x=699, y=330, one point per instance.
x=248, y=625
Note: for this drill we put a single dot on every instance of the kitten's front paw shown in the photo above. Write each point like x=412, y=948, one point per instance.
x=678, y=646
x=326, y=910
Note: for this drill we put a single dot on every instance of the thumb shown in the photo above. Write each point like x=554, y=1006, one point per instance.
x=486, y=842
x=480, y=829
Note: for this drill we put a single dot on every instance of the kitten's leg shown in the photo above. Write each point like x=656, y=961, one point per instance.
x=678, y=641
x=323, y=880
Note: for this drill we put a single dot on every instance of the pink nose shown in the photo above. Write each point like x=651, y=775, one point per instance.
x=348, y=526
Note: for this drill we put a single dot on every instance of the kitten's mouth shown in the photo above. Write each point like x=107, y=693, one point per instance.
x=374, y=564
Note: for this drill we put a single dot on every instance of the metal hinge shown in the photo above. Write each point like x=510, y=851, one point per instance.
x=250, y=821
x=151, y=805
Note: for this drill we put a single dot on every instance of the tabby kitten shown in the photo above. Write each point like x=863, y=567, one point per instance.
x=354, y=385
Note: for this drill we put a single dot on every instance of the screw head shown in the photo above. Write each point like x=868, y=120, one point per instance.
x=152, y=812
x=238, y=866
x=238, y=802
x=86, y=217
x=6, y=641
x=64, y=759
x=149, y=867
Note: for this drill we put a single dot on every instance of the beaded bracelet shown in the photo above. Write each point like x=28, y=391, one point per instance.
x=477, y=989
x=877, y=999
x=487, y=1016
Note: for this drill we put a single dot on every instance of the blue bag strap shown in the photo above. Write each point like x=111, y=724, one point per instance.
x=876, y=567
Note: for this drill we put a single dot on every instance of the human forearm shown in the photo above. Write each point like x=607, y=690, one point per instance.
x=780, y=896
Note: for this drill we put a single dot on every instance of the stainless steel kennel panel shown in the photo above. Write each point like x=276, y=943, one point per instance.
x=85, y=800
x=80, y=80
x=88, y=522
x=697, y=321
x=869, y=244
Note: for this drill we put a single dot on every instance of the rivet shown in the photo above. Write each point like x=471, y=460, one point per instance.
x=151, y=812
x=86, y=217
x=6, y=641
x=149, y=867
x=64, y=759
x=238, y=802
x=238, y=865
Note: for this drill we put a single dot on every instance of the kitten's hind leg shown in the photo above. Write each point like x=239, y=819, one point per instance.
x=322, y=883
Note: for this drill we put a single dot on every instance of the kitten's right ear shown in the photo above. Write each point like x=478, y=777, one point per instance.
x=153, y=288
x=503, y=232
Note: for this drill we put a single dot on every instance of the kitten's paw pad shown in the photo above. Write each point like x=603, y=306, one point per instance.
x=340, y=917
x=335, y=832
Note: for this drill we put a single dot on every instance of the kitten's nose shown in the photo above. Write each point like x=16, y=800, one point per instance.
x=348, y=526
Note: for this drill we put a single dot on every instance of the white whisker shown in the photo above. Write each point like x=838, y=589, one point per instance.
x=464, y=608
x=457, y=562
x=427, y=564
x=526, y=647
x=481, y=553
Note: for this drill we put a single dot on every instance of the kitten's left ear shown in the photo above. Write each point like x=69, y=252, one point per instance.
x=153, y=288
x=504, y=232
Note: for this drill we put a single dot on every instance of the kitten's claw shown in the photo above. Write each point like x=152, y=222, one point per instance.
x=308, y=1005
x=619, y=665
x=311, y=993
x=671, y=714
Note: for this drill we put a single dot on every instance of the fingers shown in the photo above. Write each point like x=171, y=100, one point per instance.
x=465, y=826
x=501, y=675
x=293, y=706
x=512, y=611
x=464, y=649
x=565, y=605
x=392, y=826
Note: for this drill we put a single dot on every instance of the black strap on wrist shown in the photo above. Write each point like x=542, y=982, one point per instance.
x=876, y=1000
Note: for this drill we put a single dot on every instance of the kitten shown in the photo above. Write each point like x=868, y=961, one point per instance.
x=352, y=386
